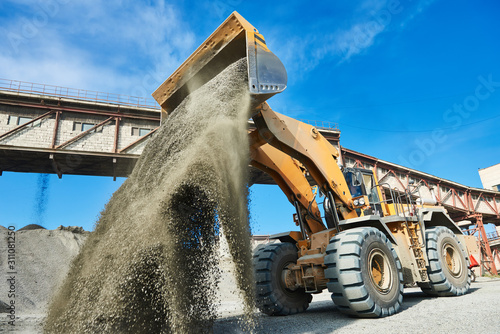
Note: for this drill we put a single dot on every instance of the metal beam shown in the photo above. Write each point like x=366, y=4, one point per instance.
x=488, y=204
x=83, y=134
x=69, y=152
x=114, y=169
x=117, y=128
x=56, y=128
x=479, y=220
x=138, y=140
x=84, y=111
x=450, y=199
x=56, y=167
x=25, y=124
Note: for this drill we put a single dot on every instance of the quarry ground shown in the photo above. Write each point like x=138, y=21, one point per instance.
x=44, y=258
x=476, y=312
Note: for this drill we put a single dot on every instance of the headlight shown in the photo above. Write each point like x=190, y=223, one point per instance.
x=356, y=202
x=362, y=201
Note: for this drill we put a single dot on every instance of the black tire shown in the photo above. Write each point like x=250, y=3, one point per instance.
x=273, y=298
x=448, y=268
x=364, y=272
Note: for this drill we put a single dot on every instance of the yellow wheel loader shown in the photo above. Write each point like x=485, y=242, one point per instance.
x=367, y=242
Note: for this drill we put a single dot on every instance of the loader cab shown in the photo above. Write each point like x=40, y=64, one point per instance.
x=361, y=182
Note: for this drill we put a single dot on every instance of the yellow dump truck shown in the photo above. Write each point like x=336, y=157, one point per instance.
x=367, y=242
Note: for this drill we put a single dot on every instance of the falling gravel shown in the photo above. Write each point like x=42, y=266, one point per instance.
x=41, y=199
x=152, y=264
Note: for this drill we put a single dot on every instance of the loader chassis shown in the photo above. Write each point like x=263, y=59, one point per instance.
x=366, y=243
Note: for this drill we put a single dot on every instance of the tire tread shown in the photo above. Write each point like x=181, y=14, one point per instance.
x=268, y=300
x=439, y=284
x=344, y=273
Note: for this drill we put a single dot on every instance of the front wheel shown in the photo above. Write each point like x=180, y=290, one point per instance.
x=448, y=270
x=273, y=297
x=364, y=272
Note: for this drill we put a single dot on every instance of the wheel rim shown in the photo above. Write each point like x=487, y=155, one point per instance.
x=283, y=280
x=452, y=259
x=380, y=271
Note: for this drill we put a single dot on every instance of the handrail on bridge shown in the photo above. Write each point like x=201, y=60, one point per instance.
x=325, y=125
x=75, y=93
x=493, y=236
x=90, y=95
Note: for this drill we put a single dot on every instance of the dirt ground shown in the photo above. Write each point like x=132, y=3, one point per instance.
x=45, y=256
x=476, y=312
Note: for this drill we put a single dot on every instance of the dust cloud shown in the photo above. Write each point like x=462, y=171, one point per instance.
x=152, y=264
x=41, y=199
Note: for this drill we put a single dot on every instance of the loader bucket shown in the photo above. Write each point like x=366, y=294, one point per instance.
x=233, y=40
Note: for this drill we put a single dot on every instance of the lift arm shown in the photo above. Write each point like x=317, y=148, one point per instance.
x=304, y=143
x=288, y=173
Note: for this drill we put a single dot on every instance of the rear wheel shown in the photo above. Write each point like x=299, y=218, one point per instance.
x=448, y=270
x=364, y=273
x=273, y=297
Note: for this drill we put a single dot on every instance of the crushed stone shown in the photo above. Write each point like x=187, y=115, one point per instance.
x=152, y=264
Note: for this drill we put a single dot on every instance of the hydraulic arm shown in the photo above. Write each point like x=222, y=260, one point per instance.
x=303, y=142
x=370, y=245
x=289, y=174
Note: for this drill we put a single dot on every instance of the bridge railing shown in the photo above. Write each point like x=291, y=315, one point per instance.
x=75, y=93
x=91, y=95
x=492, y=236
x=325, y=125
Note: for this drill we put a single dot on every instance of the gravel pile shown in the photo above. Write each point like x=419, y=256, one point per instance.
x=151, y=266
x=42, y=260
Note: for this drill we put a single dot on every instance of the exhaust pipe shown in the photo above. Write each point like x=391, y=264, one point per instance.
x=234, y=39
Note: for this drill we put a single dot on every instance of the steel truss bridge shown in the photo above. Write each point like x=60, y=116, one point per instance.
x=51, y=129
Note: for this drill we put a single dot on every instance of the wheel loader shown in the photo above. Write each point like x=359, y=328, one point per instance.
x=367, y=242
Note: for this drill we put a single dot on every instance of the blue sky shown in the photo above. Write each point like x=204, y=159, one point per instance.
x=412, y=82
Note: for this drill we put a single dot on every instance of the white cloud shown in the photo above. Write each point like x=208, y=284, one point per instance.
x=346, y=43
x=330, y=43
x=130, y=47
x=338, y=43
x=118, y=46
x=50, y=66
x=420, y=7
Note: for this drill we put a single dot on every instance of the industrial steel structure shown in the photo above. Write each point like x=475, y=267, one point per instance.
x=50, y=129
x=473, y=207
